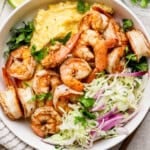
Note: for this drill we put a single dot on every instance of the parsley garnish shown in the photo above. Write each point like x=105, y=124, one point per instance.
x=88, y=114
x=61, y=40
x=127, y=24
x=41, y=97
x=80, y=119
x=133, y=63
x=82, y=7
x=38, y=54
x=20, y=36
x=142, y=3
x=87, y=102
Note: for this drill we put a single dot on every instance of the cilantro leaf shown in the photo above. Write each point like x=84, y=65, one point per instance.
x=61, y=40
x=127, y=24
x=81, y=120
x=82, y=7
x=88, y=114
x=87, y=102
x=20, y=36
x=41, y=97
x=131, y=57
x=142, y=3
x=133, y=63
x=38, y=54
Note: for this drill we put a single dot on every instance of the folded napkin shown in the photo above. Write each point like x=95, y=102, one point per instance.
x=10, y=141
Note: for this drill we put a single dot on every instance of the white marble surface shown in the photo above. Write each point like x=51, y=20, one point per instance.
x=141, y=139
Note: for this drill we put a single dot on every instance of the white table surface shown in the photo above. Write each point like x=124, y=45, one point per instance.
x=141, y=139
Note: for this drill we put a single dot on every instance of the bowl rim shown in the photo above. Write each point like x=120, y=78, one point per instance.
x=121, y=4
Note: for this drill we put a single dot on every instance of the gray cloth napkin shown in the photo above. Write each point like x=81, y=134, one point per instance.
x=10, y=141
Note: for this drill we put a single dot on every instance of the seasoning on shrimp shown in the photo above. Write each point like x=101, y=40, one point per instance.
x=21, y=64
x=72, y=71
x=56, y=57
x=93, y=39
x=44, y=81
x=45, y=121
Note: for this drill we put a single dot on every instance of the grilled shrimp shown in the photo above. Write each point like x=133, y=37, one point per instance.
x=104, y=9
x=93, y=39
x=21, y=64
x=115, y=62
x=83, y=51
x=93, y=20
x=25, y=95
x=113, y=35
x=43, y=80
x=61, y=91
x=45, y=121
x=8, y=99
x=139, y=43
x=72, y=71
x=56, y=57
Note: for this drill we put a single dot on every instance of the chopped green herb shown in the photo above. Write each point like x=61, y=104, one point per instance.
x=52, y=41
x=87, y=102
x=134, y=64
x=20, y=36
x=142, y=3
x=38, y=54
x=131, y=57
x=41, y=97
x=127, y=24
x=26, y=84
x=61, y=40
x=82, y=7
x=88, y=114
x=142, y=66
x=79, y=119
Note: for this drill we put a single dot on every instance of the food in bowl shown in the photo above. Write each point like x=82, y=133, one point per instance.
x=77, y=78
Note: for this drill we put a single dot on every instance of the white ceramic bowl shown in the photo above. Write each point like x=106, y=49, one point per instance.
x=21, y=128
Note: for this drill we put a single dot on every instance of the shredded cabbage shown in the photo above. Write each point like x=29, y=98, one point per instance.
x=72, y=133
x=116, y=94
x=119, y=92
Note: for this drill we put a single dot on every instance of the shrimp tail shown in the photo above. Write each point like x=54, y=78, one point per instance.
x=7, y=79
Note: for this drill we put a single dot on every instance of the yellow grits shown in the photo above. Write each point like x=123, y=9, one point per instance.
x=57, y=21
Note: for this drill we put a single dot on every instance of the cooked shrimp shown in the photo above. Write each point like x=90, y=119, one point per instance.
x=25, y=95
x=63, y=90
x=139, y=43
x=56, y=57
x=93, y=39
x=92, y=75
x=72, y=71
x=115, y=62
x=43, y=80
x=108, y=11
x=113, y=35
x=93, y=20
x=21, y=64
x=9, y=101
x=45, y=121
x=83, y=51
x=10, y=104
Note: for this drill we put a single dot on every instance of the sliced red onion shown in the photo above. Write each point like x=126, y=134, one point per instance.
x=112, y=122
x=124, y=121
x=107, y=116
x=98, y=94
x=98, y=108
